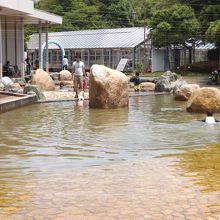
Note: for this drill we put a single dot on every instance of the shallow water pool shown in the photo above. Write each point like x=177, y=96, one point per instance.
x=52, y=137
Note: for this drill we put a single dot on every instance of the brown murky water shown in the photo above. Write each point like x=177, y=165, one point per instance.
x=151, y=161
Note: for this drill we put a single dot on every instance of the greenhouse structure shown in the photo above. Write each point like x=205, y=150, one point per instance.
x=103, y=46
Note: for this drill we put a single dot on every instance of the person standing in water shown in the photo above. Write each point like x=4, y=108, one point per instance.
x=78, y=72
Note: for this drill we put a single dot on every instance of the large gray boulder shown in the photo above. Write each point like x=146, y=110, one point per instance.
x=36, y=89
x=6, y=81
x=177, y=84
x=170, y=76
x=163, y=85
x=21, y=81
x=204, y=99
x=1, y=86
x=108, y=88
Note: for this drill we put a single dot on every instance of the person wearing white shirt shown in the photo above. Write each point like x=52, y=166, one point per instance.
x=78, y=72
x=65, y=63
x=210, y=119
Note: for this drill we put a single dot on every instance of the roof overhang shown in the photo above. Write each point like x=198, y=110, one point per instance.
x=25, y=9
x=16, y=7
x=43, y=17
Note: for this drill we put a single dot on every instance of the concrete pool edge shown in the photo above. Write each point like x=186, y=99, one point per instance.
x=76, y=99
x=15, y=100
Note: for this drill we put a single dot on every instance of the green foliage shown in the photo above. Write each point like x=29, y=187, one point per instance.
x=121, y=12
x=213, y=32
x=139, y=67
x=89, y=14
x=173, y=24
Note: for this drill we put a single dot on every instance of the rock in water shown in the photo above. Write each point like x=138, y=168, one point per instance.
x=107, y=88
x=185, y=91
x=147, y=86
x=43, y=80
x=170, y=76
x=163, y=85
x=178, y=84
x=36, y=90
x=204, y=99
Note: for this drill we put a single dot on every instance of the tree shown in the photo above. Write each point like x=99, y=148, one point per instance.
x=119, y=14
x=213, y=34
x=173, y=25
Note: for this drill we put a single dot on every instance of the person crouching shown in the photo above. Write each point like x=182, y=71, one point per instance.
x=137, y=81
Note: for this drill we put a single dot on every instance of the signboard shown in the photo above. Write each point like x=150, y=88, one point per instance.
x=122, y=64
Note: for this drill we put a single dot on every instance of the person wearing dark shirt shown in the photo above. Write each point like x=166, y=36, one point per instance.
x=9, y=69
x=137, y=81
x=28, y=66
x=37, y=63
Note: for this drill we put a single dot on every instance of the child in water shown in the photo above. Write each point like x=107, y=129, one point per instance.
x=210, y=118
x=137, y=81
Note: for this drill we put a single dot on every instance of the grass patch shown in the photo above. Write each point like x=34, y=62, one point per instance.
x=188, y=73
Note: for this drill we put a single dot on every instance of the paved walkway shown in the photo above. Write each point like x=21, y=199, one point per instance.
x=147, y=189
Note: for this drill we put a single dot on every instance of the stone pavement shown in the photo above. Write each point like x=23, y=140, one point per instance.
x=62, y=95
x=131, y=190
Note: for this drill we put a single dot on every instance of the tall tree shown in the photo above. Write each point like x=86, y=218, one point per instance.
x=213, y=35
x=173, y=25
x=119, y=14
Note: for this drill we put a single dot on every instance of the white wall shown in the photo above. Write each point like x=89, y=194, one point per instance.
x=158, y=60
x=11, y=53
x=12, y=41
x=3, y=40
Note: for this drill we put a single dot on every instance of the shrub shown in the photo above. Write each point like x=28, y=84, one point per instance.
x=139, y=67
x=204, y=67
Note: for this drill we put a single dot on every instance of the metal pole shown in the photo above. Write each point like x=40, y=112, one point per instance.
x=133, y=58
x=47, y=57
x=1, y=74
x=144, y=64
x=15, y=34
x=22, y=47
x=39, y=45
x=6, y=41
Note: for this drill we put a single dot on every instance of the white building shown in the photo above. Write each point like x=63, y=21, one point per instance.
x=13, y=15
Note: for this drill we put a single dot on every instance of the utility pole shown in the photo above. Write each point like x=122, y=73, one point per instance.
x=144, y=64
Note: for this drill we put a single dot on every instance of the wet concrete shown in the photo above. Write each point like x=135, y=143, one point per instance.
x=142, y=189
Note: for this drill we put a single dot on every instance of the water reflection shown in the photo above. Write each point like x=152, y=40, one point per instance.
x=14, y=179
x=202, y=166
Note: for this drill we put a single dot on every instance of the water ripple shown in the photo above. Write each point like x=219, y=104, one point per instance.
x=47, y=137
